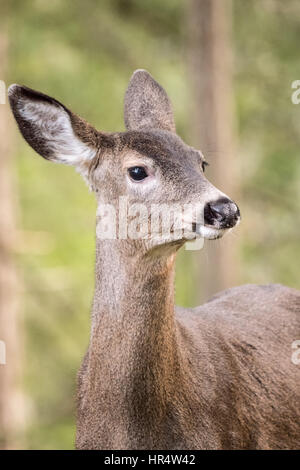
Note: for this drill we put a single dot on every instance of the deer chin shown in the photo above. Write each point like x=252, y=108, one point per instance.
x=210, y=233
x=204, y=231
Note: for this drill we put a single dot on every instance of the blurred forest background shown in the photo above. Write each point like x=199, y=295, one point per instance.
x=228, y=67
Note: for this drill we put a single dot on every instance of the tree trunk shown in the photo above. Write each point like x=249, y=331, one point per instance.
x=210, y=72
x=10, y=403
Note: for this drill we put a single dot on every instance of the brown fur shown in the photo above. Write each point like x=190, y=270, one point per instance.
x=219, y=376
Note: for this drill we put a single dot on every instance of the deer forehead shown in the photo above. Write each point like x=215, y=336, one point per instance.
x=157, y=148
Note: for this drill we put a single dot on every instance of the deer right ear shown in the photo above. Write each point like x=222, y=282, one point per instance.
x=147, y=104
x=51, y=129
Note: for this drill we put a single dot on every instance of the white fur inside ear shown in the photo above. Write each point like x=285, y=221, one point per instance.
x=54, y=126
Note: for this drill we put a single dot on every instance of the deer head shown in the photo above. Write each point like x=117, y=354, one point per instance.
x=149, y=163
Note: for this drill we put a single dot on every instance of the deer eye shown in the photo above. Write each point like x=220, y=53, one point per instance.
x=204, y=164
x=137, y=173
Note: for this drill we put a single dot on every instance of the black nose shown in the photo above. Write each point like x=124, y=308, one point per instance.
x=222, y=213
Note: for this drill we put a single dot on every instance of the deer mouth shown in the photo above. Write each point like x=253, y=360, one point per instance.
x=208, y=232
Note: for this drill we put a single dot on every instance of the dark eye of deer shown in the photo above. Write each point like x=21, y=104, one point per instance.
x=137, y=173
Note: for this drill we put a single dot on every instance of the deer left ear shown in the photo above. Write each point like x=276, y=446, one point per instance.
x=147, y=104
x=51, y=129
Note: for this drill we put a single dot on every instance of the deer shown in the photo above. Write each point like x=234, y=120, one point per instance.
x=157, y=376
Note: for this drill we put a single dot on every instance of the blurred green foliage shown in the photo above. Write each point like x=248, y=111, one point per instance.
x=266, y=64
x=84, y=53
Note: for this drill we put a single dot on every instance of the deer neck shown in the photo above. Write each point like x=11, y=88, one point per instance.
x=134, y=292
x=133, y=324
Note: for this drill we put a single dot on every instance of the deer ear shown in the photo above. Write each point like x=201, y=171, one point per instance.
x=147, y=104
x=51, y=129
